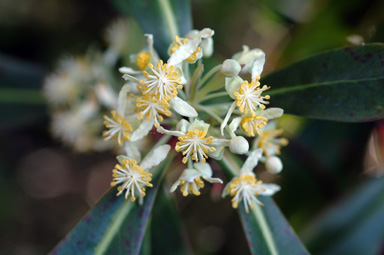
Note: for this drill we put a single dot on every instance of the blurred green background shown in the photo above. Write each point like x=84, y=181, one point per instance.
x=46, y=188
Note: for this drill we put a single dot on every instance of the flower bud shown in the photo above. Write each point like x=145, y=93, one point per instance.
x=233, y=85
x=239, y=145
x=230, y=68
x=274, y=165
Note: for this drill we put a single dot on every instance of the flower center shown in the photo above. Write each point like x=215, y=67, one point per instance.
x=191, y=187
x=248, y=98
x=194, y=144
x=163, y=83
x=252, y=124
x=132, y=178
x=118, y=128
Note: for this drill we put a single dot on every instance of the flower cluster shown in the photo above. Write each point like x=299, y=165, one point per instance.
x=209, y=112
x=177, y=102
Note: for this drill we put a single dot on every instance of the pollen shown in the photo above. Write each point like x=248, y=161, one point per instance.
x=131, y=178
x=196, y=145
x=118, y=128
x=248, y=98
x=163, y=82
x=143, y=59
x=253, y=124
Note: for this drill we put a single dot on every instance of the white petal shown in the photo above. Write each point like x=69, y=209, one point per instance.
x=268, y=189
x=235, y=124
x=132, y=151
x=155, y=157
x=120, y=158
x=252, y=161
x=122, y=99
x=106, y=95
x=142, y=130
x=128, y=77
x=183, y=52
x=217, y=154
x=183, y=108
x=150, y=43
x=182, y=125
x=162, y=130
x=206, y=33
x=213, y=180
x=225, y=190
x=128, y=70
x=204, y=168
x=226, y=119
x=189, y=175
x=174, y=186
x=192, y=34
x=272, y=113
x=258, y=64
x=198, y=125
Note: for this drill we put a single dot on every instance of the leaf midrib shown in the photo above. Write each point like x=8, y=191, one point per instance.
x=116, y=223
x=318, y=84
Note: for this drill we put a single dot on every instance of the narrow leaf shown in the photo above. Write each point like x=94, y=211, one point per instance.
x=344, y=85
x=166, y=231
x=114, y=226
x=265, y=227
x=352, y=226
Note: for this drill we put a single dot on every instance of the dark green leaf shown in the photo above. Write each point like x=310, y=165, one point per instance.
x=344, y=84
x=162, y=18
x=265, y=227
x=166, y=231
x=114, y=226
x=353, y=226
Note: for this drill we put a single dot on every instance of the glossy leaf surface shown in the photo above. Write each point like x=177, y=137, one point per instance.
x=344, y=85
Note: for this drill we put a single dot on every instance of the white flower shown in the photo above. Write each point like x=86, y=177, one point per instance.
x=248, y=99
x=193, y=142
x=188, y=49
x=190, y=180
x=252, y=124
x=253, y=61
x=133, y=177
x=269, y=142
x=76, y=127
x=162, y=83
x=118, y=128
x=246, y=188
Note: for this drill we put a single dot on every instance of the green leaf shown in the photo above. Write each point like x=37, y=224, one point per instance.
x=166, y=231
x=344, y=84
x=163, y=18
x=265, y=227
x=114, y=226
x=353, y=226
